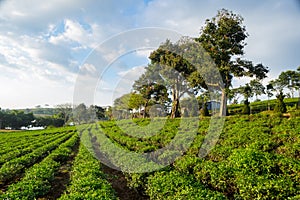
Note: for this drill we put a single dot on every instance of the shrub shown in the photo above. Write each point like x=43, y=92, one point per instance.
x=246, y=107
x=280, y=105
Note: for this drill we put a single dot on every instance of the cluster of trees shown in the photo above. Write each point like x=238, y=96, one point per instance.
x=174, y=72
x=78, y=114
x=15, y=119
x=83, y=114
x=63, y=115
x=284, y=86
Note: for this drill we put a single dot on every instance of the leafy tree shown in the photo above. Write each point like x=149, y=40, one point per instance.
x=290, y=80
x=234, y=94
x=122, y=103
x=223, y=37
x=202, y=102
x=280, y=105
x=98, y=111
x=247, y=92
x=81, y=115
x=189, y=107
x=135, y=101
x=269, y=89
x=15, y=119
x=277, y=85
x=109, y=113
x=122, y=106
x=151, y=87
x=64, y=111
x=179, y=76
x=49, y=121
x=231, y=95
x=246, y=107
x=257, y=88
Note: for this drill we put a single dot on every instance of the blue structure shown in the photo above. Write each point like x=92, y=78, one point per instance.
x=213, y=105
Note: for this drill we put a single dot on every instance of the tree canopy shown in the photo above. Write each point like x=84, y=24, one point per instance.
x=172, y=71
x=223, y=37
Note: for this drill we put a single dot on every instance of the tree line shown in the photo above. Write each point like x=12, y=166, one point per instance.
x=283, y=86
x=65, y=114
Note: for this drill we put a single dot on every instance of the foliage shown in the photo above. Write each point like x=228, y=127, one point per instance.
x=204, y=110
x=290, y=79
x=150, y=86
x=87, y=179
x=280, y=105
x=64, y=111
x=49, y=121
x=37, y=179
x=257, y=87
x=256, y=157
x=82, y=114
x=15, y=119
x=180, y=76
x=261, y=106
x=174, y=185
x=189, y=107
x=16, y=166
x=223, y=37
x=246, y=107
x=253, y=157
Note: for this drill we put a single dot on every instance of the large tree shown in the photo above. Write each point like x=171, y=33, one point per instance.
x=97, y=111
x=81, y=115
x=178, y=75
x=223, y=37
x=290, y=80
x=64, y=111
x=248, y=93
x=257, y=88
x=121, y=107
x=150, y=86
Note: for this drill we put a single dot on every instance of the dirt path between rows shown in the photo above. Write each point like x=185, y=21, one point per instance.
x=117, y=179
x=62, y=177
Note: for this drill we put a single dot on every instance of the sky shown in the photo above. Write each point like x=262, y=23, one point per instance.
x=45, y=46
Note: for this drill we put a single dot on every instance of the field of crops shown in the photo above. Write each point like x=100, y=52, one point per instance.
x=256, y=157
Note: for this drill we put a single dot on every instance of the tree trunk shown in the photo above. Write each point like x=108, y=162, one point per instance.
x=223, y=103
x=145, y=108
x=268, y=103
x=175, y=105
x=175, y=109
x=298, y=104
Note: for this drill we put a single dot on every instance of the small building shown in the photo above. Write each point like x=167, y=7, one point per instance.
x=213, y=105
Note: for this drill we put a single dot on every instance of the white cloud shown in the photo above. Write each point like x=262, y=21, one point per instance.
x=144, y=53
x=74, y=32
x=132, y=73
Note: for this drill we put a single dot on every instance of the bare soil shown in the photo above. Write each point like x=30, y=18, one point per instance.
x=62, y=177
x=117, y=179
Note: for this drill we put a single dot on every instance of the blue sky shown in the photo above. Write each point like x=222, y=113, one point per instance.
x=43, y=45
